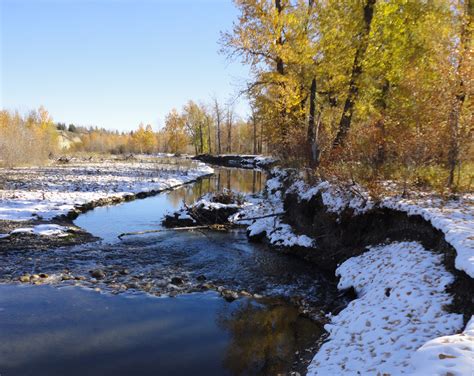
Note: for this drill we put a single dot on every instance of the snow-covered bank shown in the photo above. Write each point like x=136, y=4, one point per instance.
x=238, y=160
x=455, y=218
x=267, y=211
x=47, y=192
x=401, y=294
x=40, y=230
x=399, y=324
x=447, y=355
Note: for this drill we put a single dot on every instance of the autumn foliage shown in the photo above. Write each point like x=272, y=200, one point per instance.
x=392, y=81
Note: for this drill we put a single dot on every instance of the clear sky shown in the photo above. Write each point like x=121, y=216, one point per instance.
x=115, y=63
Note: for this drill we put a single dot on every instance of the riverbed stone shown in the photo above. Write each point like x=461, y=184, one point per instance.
x=177, y=281
x=97, y=273
x=229, y=295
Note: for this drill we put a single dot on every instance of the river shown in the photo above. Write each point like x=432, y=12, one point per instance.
x=135, y=322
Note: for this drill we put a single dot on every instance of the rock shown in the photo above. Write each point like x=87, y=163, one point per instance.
x=35, y=276
x=43, y=275
x=97, y=273
x=125, y=272
x=245, y=293
x=229, y=295
x=133, y=285
x=201, y=278
x=25, y=278
x=177, y=281
x=161, y=283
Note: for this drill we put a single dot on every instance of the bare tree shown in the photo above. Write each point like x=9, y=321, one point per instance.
x=230, y=122
x=218, y=117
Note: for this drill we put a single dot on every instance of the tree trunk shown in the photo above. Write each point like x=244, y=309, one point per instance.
x=229, y=131
x=279, y=61
x=460, y=95
x=201, y=139
x=353, y=92
x=380, y=126
x=209, y=133
x=313, y=147
x=254, y=123
x=218, y=125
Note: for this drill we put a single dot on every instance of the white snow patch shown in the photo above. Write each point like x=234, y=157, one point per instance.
x=454, y=218
x=449, y=354
x=47, y=192
x=336, y=198
x=401, y=294
x=42, y=230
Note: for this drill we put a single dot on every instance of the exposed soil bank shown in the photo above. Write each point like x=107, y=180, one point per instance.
x=340, y=237
x=241, y=161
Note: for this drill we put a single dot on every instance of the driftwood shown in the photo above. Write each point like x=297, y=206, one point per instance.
x=190, y=228
x=263, y=216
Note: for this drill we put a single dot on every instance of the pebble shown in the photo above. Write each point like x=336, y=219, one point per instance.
x=229, y=295
x=132, y=285
x=25, y=278
x=177, y=281
x=97, y=273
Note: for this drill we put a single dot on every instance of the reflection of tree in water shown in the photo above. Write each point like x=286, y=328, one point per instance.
x=245, y=181
x=264, y=338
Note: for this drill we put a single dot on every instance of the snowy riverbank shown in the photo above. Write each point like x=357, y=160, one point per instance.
x=400, y=322
x=46, y=192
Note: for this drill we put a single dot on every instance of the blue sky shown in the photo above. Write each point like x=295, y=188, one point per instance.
x=115, y=63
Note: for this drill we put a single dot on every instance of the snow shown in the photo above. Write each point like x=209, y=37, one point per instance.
x=447, y=355
x=401, y=294
x=336, y=197
x=47, y=192
x=277, y=232
x=455, y=218
x=40, y=230
x=283, y=235
x=183, y=214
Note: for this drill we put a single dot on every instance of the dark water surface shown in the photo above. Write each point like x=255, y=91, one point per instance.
x=75, y=331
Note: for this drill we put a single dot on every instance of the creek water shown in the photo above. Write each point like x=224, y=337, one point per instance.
x=76, y=331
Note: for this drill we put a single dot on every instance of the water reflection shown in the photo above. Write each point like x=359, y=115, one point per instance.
x=264, y=337
x=72, y=331
x=240, y=180
x=147, y=214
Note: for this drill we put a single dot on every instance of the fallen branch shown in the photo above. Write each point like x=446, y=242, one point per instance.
x=210, y=227
x=263, y=216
